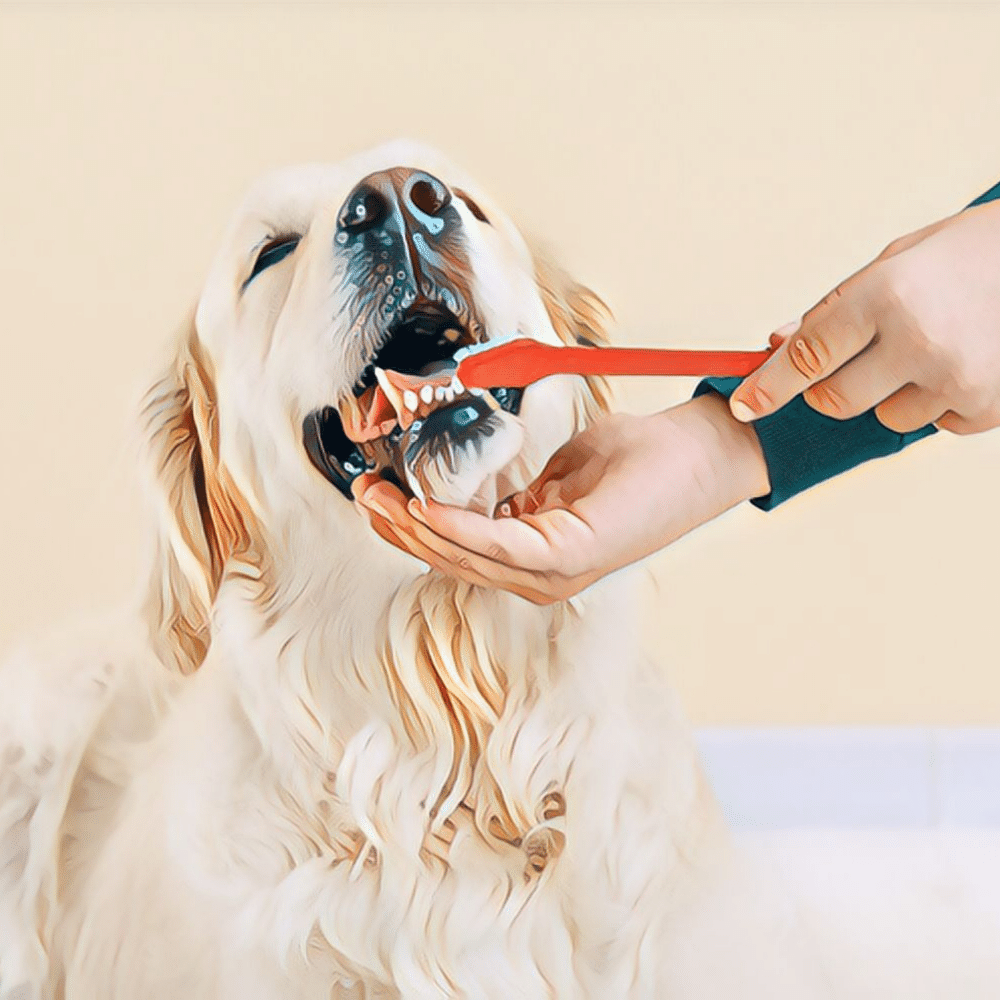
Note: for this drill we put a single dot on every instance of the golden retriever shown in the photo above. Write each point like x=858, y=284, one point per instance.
x=304, y=767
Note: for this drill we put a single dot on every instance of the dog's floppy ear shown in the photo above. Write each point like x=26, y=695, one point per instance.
x=578, y=316
x=201, y=522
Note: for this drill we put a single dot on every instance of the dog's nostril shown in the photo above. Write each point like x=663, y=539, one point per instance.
x=429, y=195
x=364, y=209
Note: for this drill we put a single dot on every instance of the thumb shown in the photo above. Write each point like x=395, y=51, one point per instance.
x=561, y=466
x=831, y=334
x=525, y=502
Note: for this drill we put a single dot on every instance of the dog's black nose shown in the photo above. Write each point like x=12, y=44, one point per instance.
x=380, y=198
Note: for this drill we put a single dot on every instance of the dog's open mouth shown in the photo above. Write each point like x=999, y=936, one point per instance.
x=403, y=405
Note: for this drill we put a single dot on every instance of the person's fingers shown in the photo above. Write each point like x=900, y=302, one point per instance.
x=952, y=422
x=385, y=528
x=361, y=484
x=542, y=543
x=957, y=424
x=864, y=382
x=909, y=409
x=446, y=553
x=465, y=570
x=518, y=504
x=388, y=514
x=782, y=334
x=550, y=493
x=393, y=520
x=831, y=334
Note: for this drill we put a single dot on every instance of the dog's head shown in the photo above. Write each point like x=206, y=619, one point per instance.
x=336, y=286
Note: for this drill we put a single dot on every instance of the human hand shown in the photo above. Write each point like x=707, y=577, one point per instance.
x=618, y=491
x=915, y=334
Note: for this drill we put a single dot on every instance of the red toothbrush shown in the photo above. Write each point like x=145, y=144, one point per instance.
x=514, y=364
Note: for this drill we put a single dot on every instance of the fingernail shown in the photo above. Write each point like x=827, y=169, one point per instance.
x=789, y=328
x=370, y=500
x=505, y=508
x=741, y=411
x=416, y=510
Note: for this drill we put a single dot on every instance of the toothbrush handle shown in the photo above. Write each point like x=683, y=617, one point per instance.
x=518, y=363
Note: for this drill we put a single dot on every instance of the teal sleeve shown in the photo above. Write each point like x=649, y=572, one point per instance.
x=802, y=447
x=992, y=195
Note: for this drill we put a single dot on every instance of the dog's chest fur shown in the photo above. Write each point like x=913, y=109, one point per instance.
x=475, y=805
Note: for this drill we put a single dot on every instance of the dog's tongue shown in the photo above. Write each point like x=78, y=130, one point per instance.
x=377, y=411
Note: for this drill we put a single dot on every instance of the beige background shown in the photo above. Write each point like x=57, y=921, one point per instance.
x=710, y=170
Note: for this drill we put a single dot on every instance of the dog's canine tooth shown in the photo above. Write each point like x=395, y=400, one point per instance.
x=352, y=417
x=394, y=396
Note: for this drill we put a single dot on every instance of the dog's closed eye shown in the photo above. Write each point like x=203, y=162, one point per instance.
x=472, y=206
x=271, y=253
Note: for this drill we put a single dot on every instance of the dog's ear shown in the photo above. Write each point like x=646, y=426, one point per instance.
x=201, y=522
x=578, y=316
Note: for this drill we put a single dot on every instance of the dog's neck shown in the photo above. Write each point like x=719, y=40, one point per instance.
x=422, y=663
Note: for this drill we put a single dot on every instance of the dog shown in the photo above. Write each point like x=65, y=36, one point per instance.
x=301, y=765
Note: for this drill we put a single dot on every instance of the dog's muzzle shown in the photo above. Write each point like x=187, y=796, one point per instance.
x=401, y=236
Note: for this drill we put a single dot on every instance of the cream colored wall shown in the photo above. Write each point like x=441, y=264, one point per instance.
x=710, y=170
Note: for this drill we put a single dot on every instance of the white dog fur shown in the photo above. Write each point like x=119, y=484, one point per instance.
x=303, y=767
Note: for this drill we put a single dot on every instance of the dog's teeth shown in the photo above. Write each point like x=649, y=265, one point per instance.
x=427, y=393
x=476, y=392
x=449, y=394
x=391, y=392
x=410, y=400
x=439, y=393
x=456, y=386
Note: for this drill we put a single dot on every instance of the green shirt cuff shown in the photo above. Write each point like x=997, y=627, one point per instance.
x=992, y=195
x=802, y=447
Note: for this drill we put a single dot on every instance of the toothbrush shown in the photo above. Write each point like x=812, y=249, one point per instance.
x=517, y=363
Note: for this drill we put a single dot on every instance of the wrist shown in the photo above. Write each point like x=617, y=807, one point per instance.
x=726, y=453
